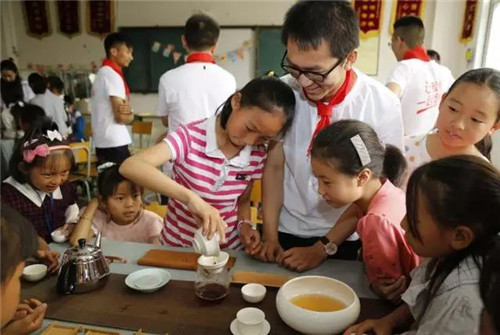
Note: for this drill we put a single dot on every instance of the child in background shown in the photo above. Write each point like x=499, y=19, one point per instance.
x=118, y=212
x=214, y=163
x=38, y=85
x=75, y=120
x=453, y=206
x=352, y=166
x=38, y=187
x=489, y=286
x=18, y=242
x=29, y=116
x=468, y=114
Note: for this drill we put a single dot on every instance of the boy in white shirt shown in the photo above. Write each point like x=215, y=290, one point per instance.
x=195, y=90
x=416, y=80
x=110, y=107
x=300, y=229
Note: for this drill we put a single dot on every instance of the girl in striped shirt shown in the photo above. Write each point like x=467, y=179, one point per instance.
x=215, y=161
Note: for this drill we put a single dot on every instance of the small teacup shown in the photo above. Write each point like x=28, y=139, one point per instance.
x=204, y=246
x=250, y=321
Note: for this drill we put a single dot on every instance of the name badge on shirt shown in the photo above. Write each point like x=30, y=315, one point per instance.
x=242, y=176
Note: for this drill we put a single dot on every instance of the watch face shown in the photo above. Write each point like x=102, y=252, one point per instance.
x=331, y=248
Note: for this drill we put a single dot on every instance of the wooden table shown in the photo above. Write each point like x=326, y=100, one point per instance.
x=350, y=272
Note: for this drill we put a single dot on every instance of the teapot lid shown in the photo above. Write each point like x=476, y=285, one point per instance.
x=83, y=251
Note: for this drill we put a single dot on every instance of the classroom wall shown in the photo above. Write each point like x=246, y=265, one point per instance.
x=442, y=19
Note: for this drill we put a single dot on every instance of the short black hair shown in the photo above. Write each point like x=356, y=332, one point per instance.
x=201, y=32
x=69, y=99
x=109, y=179
x=8, y=65
x=434, y=54
x=37, y=83
x=29, y=113
x=411, y=30
x=54, y=82
x=114, y=40
x=18, y=240
x=308, y=23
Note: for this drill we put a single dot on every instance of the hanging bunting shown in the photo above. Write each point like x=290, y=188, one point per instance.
x=370, y=16
x=407, y=7
x=68, y=17
x=156, y=47
x=36, y=17
x=467, y=32
x=100, y=17
x=176, y=56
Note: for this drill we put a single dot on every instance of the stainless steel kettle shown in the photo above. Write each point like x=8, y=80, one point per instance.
x=83, y=268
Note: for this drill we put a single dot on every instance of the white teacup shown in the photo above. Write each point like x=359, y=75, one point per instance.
x=204, y=246
x=250, y=321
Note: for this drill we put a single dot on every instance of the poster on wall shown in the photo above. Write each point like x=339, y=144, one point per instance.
x=68, y=17
x=100, y=17
x=369, y=14
x=407, y=7
x=469, y=20
x=36, y=17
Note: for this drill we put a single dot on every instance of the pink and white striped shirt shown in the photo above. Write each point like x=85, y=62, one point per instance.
x=200, y=166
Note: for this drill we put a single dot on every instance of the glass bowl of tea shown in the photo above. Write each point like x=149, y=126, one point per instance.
x=317, y=305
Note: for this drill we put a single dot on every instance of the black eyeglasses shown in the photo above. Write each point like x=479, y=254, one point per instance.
x=311, y=75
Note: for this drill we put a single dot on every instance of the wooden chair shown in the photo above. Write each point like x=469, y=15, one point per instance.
x=142, y=128
x=256, y=201
x=155, y=207
x=86, y=172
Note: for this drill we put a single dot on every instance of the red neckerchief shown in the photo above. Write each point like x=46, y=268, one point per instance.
x=202, y=57
x=117, y=69
x=418, y=53
x=325, y=111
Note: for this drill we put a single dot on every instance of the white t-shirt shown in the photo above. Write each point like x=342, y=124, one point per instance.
x=53, y=106
x=304, y=213
x=422, y=86
x=106, y=131
x=193, y=92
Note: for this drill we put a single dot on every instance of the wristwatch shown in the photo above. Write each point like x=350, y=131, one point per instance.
x=330, y=247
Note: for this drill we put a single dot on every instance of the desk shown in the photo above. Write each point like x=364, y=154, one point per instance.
x=350, y=272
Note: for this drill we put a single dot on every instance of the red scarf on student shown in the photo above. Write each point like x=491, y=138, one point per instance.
x=117, y=69
x=325, y=111
x=418, y=53
x=202, y=57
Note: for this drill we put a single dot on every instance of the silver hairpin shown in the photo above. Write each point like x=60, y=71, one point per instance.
x=360, y=147
x=105, y=166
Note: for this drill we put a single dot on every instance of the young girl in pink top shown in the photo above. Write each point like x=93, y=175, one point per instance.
x=215, y=161
x=118, y=212
x=352, y=166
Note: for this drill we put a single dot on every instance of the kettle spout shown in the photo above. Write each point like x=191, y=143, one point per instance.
x=98, y=240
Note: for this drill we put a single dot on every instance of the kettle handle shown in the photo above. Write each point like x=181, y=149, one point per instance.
x=66, y=281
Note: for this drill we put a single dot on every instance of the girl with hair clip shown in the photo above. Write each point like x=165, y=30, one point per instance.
x=118, y=211
x=353, y=167
x=215, y=161
x=453, y=206
x=468, y=115
x=38, y=186
x=18, y=241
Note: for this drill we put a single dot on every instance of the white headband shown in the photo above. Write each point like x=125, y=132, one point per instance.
x=361, y=150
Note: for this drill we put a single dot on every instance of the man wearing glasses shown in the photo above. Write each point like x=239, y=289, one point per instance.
x=321, y=39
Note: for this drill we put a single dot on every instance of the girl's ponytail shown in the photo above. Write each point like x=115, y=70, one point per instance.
x=394, y=165
x=484, y=146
